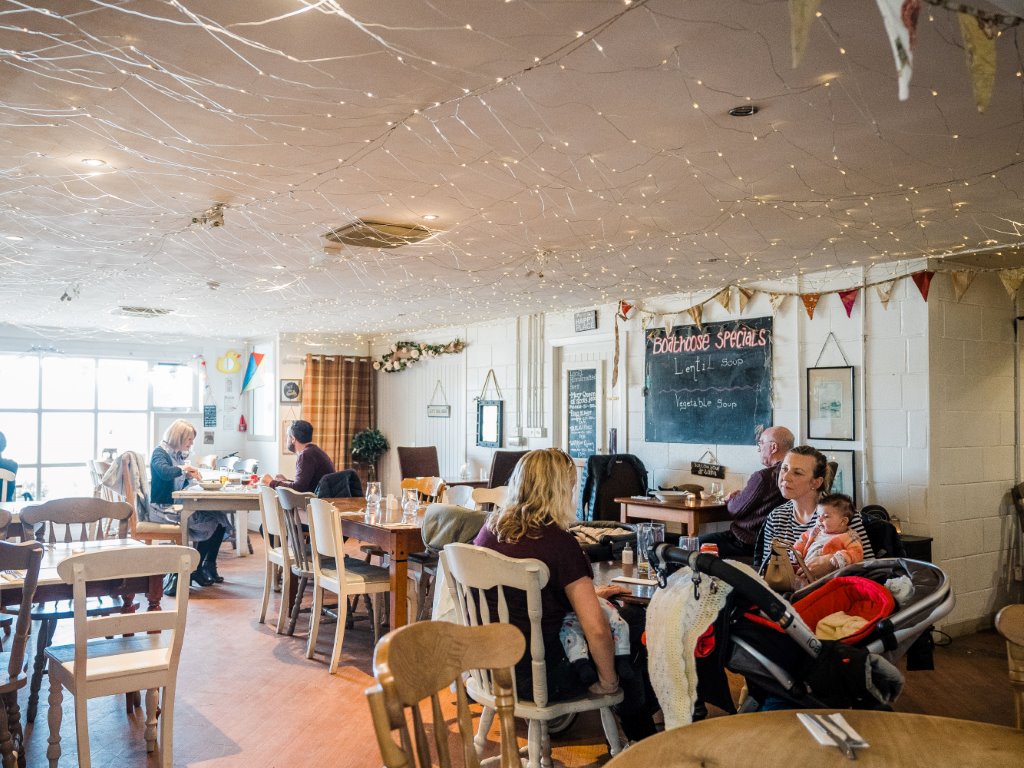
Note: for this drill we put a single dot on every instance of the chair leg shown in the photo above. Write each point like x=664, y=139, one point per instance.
x=533, y=743
x=54, y=715
x=297, y=605
x=545, y=745
x=483, y=728
x=82, y=731
x=13, y=712
x=6, y=740
x=43, y=640
x=611, y=730
x=339, y=633
x=167, y=726
x=425, y=597
x=151, y=710
x=268, y=577
x=314, y=620
x=282, y=611
x=376, y=616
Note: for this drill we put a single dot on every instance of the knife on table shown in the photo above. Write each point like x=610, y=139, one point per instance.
x=837, y=734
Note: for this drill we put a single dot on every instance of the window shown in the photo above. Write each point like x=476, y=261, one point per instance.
x=57, y=412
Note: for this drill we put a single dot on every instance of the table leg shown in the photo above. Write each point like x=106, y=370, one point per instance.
x=399, y=591
x=242, y=532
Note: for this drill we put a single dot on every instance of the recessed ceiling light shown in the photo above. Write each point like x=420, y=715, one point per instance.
x=430, y=216
x=14, y=238
x=743, y=110
x=93, y=161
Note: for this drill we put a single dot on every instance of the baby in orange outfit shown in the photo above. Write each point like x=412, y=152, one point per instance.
x=830, y=544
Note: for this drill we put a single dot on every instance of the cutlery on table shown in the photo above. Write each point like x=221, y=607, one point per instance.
x=842, y=740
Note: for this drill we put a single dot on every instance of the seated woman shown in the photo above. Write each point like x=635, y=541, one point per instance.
x=533, y=524
x=830, y=544
x=801, y=477
x=170, y=472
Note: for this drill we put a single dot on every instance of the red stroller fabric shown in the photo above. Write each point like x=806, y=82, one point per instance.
x=853, y=595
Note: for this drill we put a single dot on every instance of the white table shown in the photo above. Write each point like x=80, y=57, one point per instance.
x=238, y=499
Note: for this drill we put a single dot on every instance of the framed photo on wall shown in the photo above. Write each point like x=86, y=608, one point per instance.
x=830, y=414
x=489, y=423
x=845, y=480
x=291, y=391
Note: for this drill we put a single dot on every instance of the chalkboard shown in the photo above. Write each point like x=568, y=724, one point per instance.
x=582, y=412
x=709, y=385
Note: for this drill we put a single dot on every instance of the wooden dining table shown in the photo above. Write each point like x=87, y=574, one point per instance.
x=398, y=540
x=232, y=498
x=690, y=515
x=779, y=738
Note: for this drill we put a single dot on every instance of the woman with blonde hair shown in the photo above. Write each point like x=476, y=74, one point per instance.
x=538, y=510
x=170, y=472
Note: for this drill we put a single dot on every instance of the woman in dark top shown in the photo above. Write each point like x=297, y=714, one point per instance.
x=533, y=523
x=170, y=472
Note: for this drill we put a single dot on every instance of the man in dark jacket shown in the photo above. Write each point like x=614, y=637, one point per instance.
x=310, y=466
x=760, y=496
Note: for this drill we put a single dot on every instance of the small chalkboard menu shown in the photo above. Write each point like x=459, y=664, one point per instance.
x=711, y=385
x=582, y=411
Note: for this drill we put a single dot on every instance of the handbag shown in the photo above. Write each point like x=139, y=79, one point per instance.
x=780, y=575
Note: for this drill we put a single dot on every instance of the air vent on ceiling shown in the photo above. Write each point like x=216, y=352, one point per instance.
x=143, y=311
x=377, y=234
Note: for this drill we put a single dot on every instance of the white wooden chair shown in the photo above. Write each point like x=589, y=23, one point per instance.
x=94, y=666
x=496, y=497
x=430, y=489
x=405, y=684
x=461, y=496
x=344, y=576
x=470, y=571
x=278, y=559
x=6, y=478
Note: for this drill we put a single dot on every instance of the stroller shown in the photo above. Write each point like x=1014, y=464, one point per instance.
x=766, y=639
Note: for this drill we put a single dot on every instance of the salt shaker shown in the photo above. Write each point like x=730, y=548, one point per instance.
x=627, y=555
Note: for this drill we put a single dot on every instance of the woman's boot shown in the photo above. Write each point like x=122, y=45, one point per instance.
x=211, y=547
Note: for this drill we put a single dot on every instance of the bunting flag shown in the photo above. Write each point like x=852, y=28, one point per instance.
x=884, y=291
x=724, y=297
x=1012, y=279
x=249, y=380
x=923, y=281
x=900, y=17
x=745, y=295
x=810, y=302
x=980, y=51
x=801, y=14
x=668, y=321
x=961, y=280
x=849, y=298
x=624, y=309
x=697, y=313
x=776, y=299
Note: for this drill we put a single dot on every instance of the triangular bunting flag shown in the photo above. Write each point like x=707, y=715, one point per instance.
x=810, y=302
x=724, y=297
x=776, y=299
x=884, y=291
x=923, y=281
x=900, y=17
x=249, y=380
x=669, y=321
x=1012, y=279
x=801, y=14
x=697, y=313
x=961, y=280
x=624, y=309
x=745, y=295
x=980, y=51
x=849, y=298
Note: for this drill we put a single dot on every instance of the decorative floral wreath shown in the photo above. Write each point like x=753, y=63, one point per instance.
x=405, y=353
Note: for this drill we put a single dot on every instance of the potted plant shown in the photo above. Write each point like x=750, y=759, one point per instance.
x=368, y=445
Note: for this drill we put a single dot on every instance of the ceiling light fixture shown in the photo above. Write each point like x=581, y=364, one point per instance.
x=744, y=110
x=430, y=217
x=14, y=238
x=93, y=161
x=377, y=234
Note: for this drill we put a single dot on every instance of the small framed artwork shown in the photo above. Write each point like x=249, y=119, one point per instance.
x=845, y=480
x=489, y=427
x=285, y=426
x=830, y=414
x=291, y=391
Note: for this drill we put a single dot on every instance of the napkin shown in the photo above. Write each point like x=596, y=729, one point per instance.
x=822, y=736
x=632, y=580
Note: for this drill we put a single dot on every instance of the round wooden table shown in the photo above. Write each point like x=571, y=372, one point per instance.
x=778, y=738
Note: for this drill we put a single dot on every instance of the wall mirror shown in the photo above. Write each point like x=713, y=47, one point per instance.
x=489, y=419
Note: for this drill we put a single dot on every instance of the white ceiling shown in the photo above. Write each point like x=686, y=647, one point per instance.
x=587, y=141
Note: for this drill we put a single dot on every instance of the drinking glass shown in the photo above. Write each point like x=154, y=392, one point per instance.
x=410, y=503
x=648, y=536
x=372, y=498
x=689, y=543
x=716, y=491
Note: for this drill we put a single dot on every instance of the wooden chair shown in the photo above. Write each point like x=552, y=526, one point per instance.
x=344, y=576
x=461, y=496
x=1010, y=624
x=22, y=557
x=502, y=464
x=470, y=571
x=94, y=666
x=6, y=478
x=69, y=520
x=405, y=683
x=293, y=505
x=491, y=497
x=142, y=530
x=418, y=462
x=278, y=560
x=430, y=489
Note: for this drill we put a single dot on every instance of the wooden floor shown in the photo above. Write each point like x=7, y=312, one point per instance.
x=248, y=697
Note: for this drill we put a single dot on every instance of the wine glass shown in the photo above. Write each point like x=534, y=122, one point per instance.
x=410, y=503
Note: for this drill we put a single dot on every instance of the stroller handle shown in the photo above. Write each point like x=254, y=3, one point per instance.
x=754, y=591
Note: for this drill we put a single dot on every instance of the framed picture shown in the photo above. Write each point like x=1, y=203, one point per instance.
x=830, y=403
x=285, y=426
x=845, y=480
x=291, y=391
x=489, y=418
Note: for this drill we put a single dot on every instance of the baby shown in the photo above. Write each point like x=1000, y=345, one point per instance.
x=575, y=644
x=830, y=544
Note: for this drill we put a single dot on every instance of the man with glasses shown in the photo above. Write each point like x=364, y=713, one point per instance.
x=761, y=495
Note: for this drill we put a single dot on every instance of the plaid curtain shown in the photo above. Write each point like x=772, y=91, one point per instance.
x=339, y=398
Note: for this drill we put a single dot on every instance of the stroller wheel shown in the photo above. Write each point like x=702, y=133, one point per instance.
x=562, y=723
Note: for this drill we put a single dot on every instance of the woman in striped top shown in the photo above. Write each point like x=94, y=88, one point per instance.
x=801, y=477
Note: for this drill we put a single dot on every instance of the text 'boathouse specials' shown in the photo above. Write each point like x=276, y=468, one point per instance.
x=710, y=384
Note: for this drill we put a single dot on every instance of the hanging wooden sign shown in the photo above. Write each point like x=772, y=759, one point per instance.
x=700, y=469
x=441, y=410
